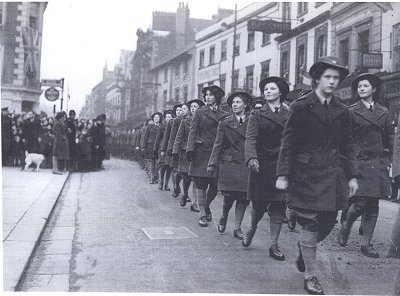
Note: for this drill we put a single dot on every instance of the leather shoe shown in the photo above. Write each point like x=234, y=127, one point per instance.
x=292, y=223
x=238, y=234
x=343, y=235
x=188, y=199
x=208, y=215
x=312, y=286
x=175, y=193
x=222, y=225
x=369, y=251
x=299, y=260
x=160, y=187
x=275, y=253
x=194, y=209
x=167, y=189
x=203, y=222
x=248, y=237
x=183, y=201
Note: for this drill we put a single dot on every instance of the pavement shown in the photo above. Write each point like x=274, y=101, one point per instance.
x=28, y=200
x=111, y=231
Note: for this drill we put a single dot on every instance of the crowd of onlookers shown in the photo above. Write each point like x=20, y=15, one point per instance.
x=65, y=142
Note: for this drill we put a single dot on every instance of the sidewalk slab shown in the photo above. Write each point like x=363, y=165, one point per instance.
x=28, y=199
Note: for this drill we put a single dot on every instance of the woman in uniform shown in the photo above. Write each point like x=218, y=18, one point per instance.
x=179, y=150
x=200, y=143
x=263, y=141
x=371, y=132
x=228, y=155
x=148, y=144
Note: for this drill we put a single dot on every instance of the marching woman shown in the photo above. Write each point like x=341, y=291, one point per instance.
x=228, y=155
x=161, y=156
x=371, y=132
x=176, y=177
x=148, y=144
x=200, y=143
x=179, y=150
x=263, y=141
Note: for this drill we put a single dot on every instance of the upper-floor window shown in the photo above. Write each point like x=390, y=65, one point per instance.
x=166, y=75
x=266, y=38
x=318, y=4
x=222, y=81
x=223, y=50
x=302, y=8
x=249, y=79
x=286, y=7
x=201, y=59
x=250, y=40
x=235, y=80
x=185, y=67
x=177, y=70
x=185, y=93
x=33, y=14
x=264, y=69
x=177, y=94
x=300, y=62
x=165, y=95
x=285, y=61
x=236, y=49
x=344, y=53
x=212, y=55
x=320, y=48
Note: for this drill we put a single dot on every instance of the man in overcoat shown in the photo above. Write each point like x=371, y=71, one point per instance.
x=263, y=141
x=202, y=133
x=6, y=136
x=316, y=136
x=372, y=135
x=98, y=134
x=73, y=146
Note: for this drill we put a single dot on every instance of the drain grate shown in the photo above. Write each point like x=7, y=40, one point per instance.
x=168, y=233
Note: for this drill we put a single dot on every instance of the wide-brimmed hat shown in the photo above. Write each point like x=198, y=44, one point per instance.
x=168, y=112
x=154, y=114
x=101, y=117
x=280, y=82
x=72, y=112
x=216, y=90
x=199, y=102
x=324, y=63
x=176, y=107
x=4, y=109
x=247, y=98
x=375, y=81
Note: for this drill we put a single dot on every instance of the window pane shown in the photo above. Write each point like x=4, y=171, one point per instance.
x=212, y=55
x=223, y=50
x=344, y=51
x=266, y=38
x=250, y=41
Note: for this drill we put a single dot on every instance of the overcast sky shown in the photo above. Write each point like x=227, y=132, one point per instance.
x=79, y=36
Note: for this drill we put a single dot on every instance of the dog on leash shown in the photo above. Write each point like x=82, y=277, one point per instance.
x=33, y=158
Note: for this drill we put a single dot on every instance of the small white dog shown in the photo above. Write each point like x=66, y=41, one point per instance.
x=33, y=158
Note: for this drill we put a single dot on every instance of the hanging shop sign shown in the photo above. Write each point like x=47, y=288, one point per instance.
x=372, y=60
x=52, y=94
x=52, y=82
x=268, y=26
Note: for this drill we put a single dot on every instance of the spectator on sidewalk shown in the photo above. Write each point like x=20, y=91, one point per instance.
x=60, y=143
x=6, y=136
x=71, y=131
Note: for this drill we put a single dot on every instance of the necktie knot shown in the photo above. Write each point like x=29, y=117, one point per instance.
x=371, y=109
x=214, y=109
x=276, y=110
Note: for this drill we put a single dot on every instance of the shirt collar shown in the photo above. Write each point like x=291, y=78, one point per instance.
x=368, y=104
x=238, y=117
x=273, y=108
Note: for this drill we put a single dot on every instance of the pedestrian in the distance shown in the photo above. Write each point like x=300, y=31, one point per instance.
x=317, y=135
x=73, y=146
x=371, y=132
x=60, y=143
x=263, y=142
x=228, y=158
x=202, y=133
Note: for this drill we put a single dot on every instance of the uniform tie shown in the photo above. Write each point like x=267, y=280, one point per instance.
x=371, y=109
x=214, y=109
x=276, y=110
x=241, y=121
x=326, y=104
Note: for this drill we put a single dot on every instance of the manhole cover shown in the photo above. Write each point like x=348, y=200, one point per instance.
x=168, y=233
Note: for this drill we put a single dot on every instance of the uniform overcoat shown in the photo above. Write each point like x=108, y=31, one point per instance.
x=317, y=144
x=371, y=133
x=180, y=144
x=228, y=154
x=202, y=133
x=157, y=143
x=396, y=153
x=71, y=132
x=148, y=141
x=164, y=144
x=263, y=141
x=174, y=130
x=60, y=142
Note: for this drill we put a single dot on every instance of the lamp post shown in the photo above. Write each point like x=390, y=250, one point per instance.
x=233, y=51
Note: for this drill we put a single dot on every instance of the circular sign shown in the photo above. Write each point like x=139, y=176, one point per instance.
x=52, y=94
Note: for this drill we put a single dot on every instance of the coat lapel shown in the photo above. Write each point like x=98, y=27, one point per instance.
x=211, y=114
x=234, y=125
x=362, y=111
x=279, y=119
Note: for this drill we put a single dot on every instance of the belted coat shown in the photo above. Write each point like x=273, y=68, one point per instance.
x=164, y=144
x=157, y=143
x=317, y=154
x=174, y=130
x=148, y=141
x=228, y=154
x=202, y=133
x=60, y=141
x=263, y=142
x=396, y=153
x=371, y=133
x=180, y=144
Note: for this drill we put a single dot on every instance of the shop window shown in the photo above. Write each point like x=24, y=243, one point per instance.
x=212, y=55
x=396, y=48
x=177, y=71
x=344, y=53
x=166, y=75
x=235, y=79
x=265, y=69
x=301, y=57
x=285, y=61
x=236, y=49
x=223, y=50
x=177, y=94
x=185, y=68
x=185, y=93
x=320, y=47
x=266, y=39
x=222, y=81
x=165, y=95
x=250, y=40
x=363, y=44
